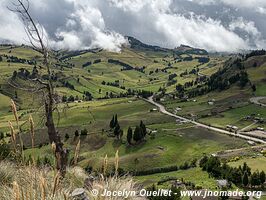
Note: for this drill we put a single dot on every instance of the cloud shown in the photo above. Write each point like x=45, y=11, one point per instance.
x=82, y=24
x=176, y=29
x=257, y=5
x=253, y=36
x=86, y=29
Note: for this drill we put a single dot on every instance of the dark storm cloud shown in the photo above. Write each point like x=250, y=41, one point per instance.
x=216, y=25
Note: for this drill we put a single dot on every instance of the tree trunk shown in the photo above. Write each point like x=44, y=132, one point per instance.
x=61, y=154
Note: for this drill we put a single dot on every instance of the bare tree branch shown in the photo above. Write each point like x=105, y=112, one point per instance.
x=35, y=35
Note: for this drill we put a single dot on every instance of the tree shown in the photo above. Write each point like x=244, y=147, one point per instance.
x=129, y=135
x=243, y=79
x=137, y=134
x=76, y=133
x=84, y=132
x=112, y=122
x=246, y=168
x=115, y=120
x=262, y=177
x=255, y=179
x=2, y=135
x=143, y=129
x=117, y=130
x=254, y=88
x=66, y=136
x=34, y=33
x=245, y=180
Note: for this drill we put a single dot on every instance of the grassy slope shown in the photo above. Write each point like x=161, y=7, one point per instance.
x=194, y=175
x=257, y=163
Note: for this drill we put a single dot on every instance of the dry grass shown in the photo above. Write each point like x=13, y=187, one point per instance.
x=31, y=183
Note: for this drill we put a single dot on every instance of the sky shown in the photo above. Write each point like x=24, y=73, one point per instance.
x=214, y=25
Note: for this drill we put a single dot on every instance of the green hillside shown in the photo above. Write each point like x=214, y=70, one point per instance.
x=92, y=86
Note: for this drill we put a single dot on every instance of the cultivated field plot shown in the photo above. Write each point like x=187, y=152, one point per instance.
x=255, y=163
x=194, y=175
x=172, y=145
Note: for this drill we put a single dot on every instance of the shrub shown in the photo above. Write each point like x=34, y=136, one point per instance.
x=84, y=132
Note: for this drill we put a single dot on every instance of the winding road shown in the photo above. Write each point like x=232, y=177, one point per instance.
x=164, y=111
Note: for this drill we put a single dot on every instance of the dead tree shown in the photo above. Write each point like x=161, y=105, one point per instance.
x=36, y=39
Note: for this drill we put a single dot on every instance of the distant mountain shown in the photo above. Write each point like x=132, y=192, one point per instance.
x=190, y=50
x=183, y=49
x=138, y=45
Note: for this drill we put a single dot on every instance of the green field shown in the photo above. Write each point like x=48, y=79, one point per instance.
x=194, y=175
x=169, y=147
x=256, y=163
x=168, y=142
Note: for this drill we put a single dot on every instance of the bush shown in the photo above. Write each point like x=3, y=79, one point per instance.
x=76, y=133
x=66, y=136
x=84, y=132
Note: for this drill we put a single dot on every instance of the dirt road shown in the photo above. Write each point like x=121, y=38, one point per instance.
x=164, y=111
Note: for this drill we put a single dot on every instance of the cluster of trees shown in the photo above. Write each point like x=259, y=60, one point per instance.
x=83, y=132
x=186, y=72
x=114, y=125
x=71, y=98
x=69, y=85
x=171, y=76
x=256, y=53
x=86, y=97
x=203, y=59
x=138, y=134
x=189, y=58
x=234, y=73
x=26, y=74
x=90, y=63
x=171, y=80
x=15, y=59
x=114, y=84
x=118, y=62
x=218, y=81
x=86, y=64
x=241, y=176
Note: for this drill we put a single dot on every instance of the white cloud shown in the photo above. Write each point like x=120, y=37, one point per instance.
x=81, y=24
x=178, y=29
x=85, y=28
x=257, y=5
x=249, y=27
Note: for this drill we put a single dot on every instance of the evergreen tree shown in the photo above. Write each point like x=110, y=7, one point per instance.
x=115, y=120
x=245, y=179
x=66, y=136
x=143, y=129
x=129, y=135
x=137, y=134
x=112, y=122
x=246, y=168
x=84, y=132
x=76, y=133
x=262, y=177
x=1, y=135
x=117, y=130
x=255, y=179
